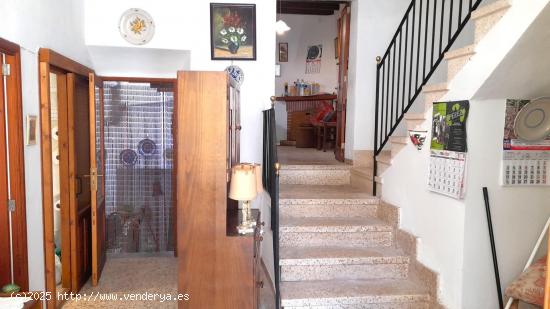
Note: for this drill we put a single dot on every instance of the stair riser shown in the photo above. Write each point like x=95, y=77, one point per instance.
x=328, y=210
x=310, y=239
x=361, y=182
x=455, y=65
x=315, y=177
x=431, y=97
x=486, y=23
x=366, y=305
x=342, y=271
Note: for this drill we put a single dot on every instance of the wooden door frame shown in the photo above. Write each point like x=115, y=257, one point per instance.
x=17, y=164
x=174, y=82
x=48, y=61
x=339, y=147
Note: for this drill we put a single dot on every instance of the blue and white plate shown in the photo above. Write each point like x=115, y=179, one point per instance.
x=236, y=75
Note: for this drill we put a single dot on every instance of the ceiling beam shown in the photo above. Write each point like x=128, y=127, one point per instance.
x=308, y=7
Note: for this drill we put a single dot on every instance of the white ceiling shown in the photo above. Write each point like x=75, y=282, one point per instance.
x=525, y=71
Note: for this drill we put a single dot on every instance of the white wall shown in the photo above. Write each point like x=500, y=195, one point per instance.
x=185, y=25
x=56, y=24
x=306, y=30
x=518, y=214
x=373, y=23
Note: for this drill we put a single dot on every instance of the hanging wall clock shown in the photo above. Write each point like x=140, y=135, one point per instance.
x=136, y=26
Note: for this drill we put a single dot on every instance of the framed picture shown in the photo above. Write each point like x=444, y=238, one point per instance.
x=30, y=136
x=283, y=52
x=232, y=31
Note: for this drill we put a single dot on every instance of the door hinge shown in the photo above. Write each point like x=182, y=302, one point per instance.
x=11, y=205
x=6, y=69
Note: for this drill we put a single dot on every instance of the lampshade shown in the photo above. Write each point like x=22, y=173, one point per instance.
x=243, y=183
x=281, y=27
x=259, y=182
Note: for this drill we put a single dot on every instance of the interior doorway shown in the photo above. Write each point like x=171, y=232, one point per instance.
x=107, y=174
x=311, y=85
x=13, y=226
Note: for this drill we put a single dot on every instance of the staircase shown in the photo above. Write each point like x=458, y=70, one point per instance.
x=399, y=86
x=340, y=247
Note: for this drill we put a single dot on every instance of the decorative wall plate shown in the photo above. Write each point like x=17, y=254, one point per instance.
x=136, y=26
x=533, y=121
x=128, y=157
x=146, y=147
x=236, y=75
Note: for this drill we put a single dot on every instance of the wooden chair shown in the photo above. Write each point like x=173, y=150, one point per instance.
x=326, y=133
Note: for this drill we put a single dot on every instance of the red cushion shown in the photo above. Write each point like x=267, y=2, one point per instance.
x=323, y=108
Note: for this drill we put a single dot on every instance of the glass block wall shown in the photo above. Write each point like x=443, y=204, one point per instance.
x=138, y=166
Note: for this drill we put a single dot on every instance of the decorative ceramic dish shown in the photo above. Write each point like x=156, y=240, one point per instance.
x=533, y=121
x=236, y=75
x=128, y=157
x=146, y=147
x=136, y=26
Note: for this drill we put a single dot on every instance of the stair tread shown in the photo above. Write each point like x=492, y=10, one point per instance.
x=399, y=139
x=435, y=87
x=384, y=158
x=323, y=192
x=315, y=167
x=489, y=9
x=460, y=52
x=340, y=292
x=332, y=224
x=365, y=171
x=415, y=116
x=330, y=255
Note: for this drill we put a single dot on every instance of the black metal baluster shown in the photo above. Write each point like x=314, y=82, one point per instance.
x=441, y=27
x=398, y=76
x=405, y=63
x=383, y=100
x=418, y=52
x=425, y=41
x=376, y=106
x=433, y=34
x=450, y=22
x=412, y=49
x=387, y=96
x=392, y=85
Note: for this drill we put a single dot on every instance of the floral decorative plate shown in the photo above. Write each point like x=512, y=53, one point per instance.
x=136, y=26
x=236, y=75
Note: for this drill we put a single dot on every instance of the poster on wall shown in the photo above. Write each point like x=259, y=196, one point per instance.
x=523, y=163
x=447, y=168
x=313, y=59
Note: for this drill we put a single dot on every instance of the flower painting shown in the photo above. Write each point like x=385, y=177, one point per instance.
x=233, y=31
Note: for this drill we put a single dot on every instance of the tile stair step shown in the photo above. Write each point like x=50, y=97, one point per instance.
x=399, y=140
x=487, y=16
x=333, y=263
x=489, y=9
x=315, y=194
x=435, y=88
x=315, y=174
x=375, y=293
x=457, y=59
x=346, y=232
x=321, y=210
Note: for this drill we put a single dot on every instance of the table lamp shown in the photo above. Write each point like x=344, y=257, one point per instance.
x=243, y=188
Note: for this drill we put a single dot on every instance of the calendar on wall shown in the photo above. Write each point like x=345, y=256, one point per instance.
x=523, y=163
x=447, y=168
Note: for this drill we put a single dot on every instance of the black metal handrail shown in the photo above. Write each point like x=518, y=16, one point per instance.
x=270, y=180
x=427, y=31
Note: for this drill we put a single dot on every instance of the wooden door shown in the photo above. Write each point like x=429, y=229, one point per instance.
x=97, y=170
x=343, y=57
x=5, y=250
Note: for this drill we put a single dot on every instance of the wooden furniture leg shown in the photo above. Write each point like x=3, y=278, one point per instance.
x=325, y=134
